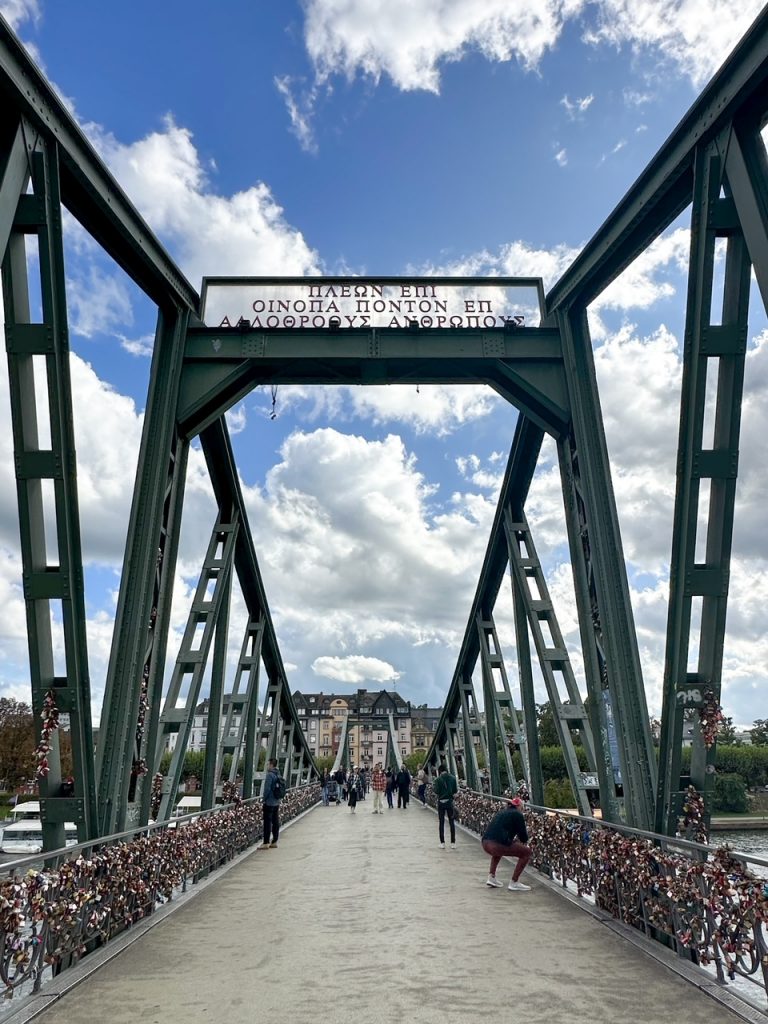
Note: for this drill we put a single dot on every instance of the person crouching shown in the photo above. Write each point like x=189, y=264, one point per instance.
x=507, y=836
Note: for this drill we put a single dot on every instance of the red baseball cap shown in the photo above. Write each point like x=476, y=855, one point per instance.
x=516, y=801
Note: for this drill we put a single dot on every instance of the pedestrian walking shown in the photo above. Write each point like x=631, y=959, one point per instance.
x=274, y=791
x=353, y=784
x=324, y=781
x=507, y=836
x=422, y=779
x=379, y=787
x=446, y=788
x=403, y=787
x=389, y=787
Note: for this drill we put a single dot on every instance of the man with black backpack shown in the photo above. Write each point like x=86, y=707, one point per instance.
x=274, y=791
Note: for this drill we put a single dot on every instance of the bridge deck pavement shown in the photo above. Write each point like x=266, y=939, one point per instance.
x=362, y=919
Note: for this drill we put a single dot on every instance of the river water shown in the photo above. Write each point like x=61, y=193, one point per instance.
x=753, y=844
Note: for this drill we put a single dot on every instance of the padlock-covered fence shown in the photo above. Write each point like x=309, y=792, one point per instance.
x=706, y=904
x=57, y=908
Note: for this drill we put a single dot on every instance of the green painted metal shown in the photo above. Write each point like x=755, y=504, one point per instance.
x=393, y=751
x=498, y=702
x=554, y=661
x=49, y=575
x=592, y=647
x=211, y=766
x=710, y=350
x=245, y=704
x=208, y=605
x=608, y=577
x=342, y=754
x=746, y=169
x=524, y=365
x=157, y=638
x=535, y=775
x=546, y=372
x=251, y=718
x=138, y=633
x=17, y=142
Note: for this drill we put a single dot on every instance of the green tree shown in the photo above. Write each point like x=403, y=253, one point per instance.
x=727, y=732
x=17, y=743
x=413, y=762
x=759, y=732
x=324, y=764
x=545, y=720
x=558, y=793
x=730, y=794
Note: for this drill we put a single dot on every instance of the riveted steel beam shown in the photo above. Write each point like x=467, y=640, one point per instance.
x=53, y=572
x=138, y=642
x=608, y=576
x=222, y=366
x=712, y=351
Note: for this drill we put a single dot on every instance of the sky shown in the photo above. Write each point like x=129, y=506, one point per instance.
x=353, y=137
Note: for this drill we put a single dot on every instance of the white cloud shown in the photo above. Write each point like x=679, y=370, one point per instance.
x=355, y=668
x=143, y=346
x=578, y=106
x=300, y=105
x=243, y=234
x=436, y=409
x=16, y=12
x=471, y=469
x=694, y=35
x=98, y=302
x=561, y=157
x=352, y=527
x=237, y=419
x=409, y=41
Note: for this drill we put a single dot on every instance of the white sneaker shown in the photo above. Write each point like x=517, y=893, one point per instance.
x=493, y=881
x=452, y=847
x=519, y=887
x=442, y=846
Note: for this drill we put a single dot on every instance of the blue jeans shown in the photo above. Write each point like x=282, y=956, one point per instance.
x=325, y=796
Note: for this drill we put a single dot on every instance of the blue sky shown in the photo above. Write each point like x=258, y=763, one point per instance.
x=476, y=137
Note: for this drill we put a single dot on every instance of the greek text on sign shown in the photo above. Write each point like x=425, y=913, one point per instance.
x=357, y=303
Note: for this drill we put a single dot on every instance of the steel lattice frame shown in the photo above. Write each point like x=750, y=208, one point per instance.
x=715, y=161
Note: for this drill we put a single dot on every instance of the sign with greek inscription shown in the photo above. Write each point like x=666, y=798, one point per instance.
x=360, y=303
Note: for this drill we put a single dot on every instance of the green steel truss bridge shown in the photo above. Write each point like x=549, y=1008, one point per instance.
x=714, y=165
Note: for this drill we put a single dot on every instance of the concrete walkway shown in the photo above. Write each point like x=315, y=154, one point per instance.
x=362, y=919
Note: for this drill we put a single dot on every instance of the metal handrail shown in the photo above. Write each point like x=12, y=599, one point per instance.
x=60, y=905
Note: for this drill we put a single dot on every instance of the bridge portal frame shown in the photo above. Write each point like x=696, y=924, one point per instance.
x=715, y=160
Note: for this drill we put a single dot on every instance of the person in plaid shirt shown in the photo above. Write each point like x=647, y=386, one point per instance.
x=379, y=785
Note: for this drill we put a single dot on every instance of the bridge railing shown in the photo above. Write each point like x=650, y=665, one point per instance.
x=59, y=906
x=707, y=904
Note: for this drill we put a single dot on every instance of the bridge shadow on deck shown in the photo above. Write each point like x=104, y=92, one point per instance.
x=362, y=919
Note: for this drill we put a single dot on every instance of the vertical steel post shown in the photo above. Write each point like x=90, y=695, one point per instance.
x=592, y=645
x=48, y=576
x=707, y=346
x=216, y=697
x=609, y=574
x=535, y=778
x=136, y=619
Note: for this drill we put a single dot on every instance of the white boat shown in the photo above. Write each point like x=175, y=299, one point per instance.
x=24, y=834
x=187, y=805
